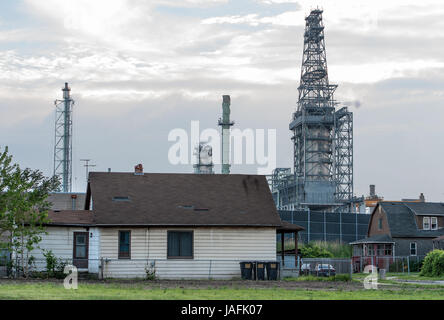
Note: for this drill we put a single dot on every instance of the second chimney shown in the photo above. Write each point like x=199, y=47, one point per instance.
x=138, y=169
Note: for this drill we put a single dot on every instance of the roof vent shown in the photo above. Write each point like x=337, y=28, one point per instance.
x=121, y=199
x=138, y=169
x=186, y=207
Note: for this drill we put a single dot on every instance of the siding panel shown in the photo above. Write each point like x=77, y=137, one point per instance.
x=217, y=252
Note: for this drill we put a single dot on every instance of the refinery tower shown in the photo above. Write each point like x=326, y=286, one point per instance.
x=322, y=136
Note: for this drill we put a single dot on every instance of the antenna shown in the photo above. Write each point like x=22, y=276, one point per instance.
x=87, y=166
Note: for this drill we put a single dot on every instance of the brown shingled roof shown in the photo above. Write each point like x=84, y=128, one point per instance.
x=71, y=217
x=164, y=199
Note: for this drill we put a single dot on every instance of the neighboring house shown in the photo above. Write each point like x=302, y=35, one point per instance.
x=438, y=243
x=67, y=200
x=399, y=229
x=183, y=225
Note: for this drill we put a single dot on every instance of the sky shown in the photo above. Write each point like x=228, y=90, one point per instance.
x=139, y=69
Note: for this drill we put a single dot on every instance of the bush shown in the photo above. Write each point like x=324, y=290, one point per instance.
x=54, y=267
x=433, y=264
x=150, y=272
x=313, y=250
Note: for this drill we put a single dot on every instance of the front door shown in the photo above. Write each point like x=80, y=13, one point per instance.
x=80, y=252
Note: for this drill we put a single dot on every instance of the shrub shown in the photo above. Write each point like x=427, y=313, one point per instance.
x=54, y=267
x=433, y=265
x=313, y=250
x=150, y=272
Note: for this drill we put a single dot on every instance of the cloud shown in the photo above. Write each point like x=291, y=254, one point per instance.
x=138, y=70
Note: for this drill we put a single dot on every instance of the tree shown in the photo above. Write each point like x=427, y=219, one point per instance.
x=23, y=209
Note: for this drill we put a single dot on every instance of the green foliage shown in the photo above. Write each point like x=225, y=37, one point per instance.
x=150, y=272
x=23, y=209
x=433, y=264
x=312, y=250
x=54, y=266
x=320, y=249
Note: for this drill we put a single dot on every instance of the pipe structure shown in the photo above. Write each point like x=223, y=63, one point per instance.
x=225, y=123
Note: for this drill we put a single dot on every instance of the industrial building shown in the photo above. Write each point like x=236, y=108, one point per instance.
x=322, y=135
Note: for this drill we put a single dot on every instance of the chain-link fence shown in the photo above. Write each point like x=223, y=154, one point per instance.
x=208, y=269
x=139, y=268
x=395, y=264
x=314, y=266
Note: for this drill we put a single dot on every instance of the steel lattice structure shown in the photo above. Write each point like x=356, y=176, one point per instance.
x=322, y=137
x=63, y=139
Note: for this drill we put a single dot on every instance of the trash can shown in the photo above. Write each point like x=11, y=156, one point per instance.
x=272, y=270
x=246, y=269
x=259, y=270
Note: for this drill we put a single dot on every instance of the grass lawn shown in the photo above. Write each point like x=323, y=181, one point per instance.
x=401, y=276
x=48, y=291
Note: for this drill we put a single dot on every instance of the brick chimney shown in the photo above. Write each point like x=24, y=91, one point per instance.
x=138, y=169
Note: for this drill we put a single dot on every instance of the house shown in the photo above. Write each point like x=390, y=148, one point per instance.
x=180, y=225
x=399, y=229
x=438, y=243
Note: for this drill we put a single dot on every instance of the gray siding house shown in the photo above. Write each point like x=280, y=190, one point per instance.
x=399, y=229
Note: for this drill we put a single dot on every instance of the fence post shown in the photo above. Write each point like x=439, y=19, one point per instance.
x=408, y=265
x=356, y=226
x=101, y=268
x=325, y=228
x=402, y=260
x=308, y=231
x=351, y=269
x=340, y=226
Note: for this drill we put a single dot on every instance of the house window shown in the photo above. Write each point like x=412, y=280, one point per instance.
x=434, y=223
x=381, y=250
x=124, y=244
x=370, y=250
x=388, y=250
x=413, y=248
x=380, y=223
x=180, y=244
x=426, y=223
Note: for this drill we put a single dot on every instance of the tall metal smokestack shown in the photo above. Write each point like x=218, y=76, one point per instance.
x=63, y=139
x=225, y=123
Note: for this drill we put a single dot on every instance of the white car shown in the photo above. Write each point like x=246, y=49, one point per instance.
x=305, y=268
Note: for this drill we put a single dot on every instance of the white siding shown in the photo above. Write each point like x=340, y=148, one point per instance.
x=217, y=252
x=60, y=241
x=94, y=250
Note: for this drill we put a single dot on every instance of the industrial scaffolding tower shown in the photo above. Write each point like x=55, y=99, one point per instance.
x=63, y=140
x=322, y=137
